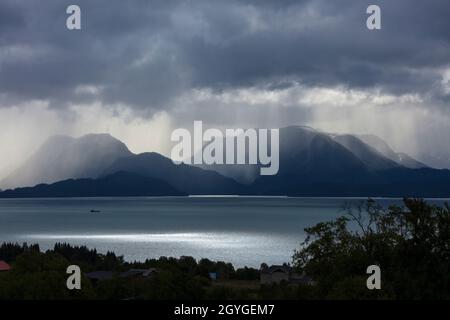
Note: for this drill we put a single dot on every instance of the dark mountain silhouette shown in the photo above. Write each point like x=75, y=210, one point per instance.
x=188, y=179
x=311, y=153
x=422, y=183
x=63, y=157
x=303, y=151
x=312, y=163
x=119, y=184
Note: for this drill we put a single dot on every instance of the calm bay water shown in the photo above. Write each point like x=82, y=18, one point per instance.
x=241, y=230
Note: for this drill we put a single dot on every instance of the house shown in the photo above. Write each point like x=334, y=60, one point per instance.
x=100, y=275
x=132, y=273
x=4, y=266
x=274, y=274
x=277, y=274
x=213, y=276
x=135, y=273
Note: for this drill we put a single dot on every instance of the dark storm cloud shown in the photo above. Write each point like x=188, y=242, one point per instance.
x=145, y=53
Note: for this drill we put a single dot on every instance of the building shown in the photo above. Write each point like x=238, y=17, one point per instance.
x=213, y=276
x=277, y=274
x=100, y=275
x=138, y=273
x=132, y=273
x=4, y=266
x=274, y=274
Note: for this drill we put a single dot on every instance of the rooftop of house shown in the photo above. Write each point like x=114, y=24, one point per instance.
x=138, y=272
x=104, y=275
x=4, y=266
x=100, y=275
x=276, y=268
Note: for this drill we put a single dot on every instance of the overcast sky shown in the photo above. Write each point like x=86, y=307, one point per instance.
x=140, y=68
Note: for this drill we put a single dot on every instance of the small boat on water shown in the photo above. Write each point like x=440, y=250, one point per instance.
x=95, y=211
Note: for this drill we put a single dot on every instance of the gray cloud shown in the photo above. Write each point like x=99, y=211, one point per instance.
x=146, y=53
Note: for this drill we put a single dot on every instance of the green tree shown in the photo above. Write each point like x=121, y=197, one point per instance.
x=410, y=243
x=38, y=275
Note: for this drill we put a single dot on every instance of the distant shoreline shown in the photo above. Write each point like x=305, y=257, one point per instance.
x=227, y=196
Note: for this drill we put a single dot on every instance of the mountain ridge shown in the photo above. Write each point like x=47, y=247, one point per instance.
x=383, y=147
x=189, y=179
x=119, y=184
x=63, y=157
x=312, y=163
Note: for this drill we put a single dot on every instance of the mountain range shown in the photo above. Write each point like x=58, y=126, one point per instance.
x=312, y=163
x=117, y=184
